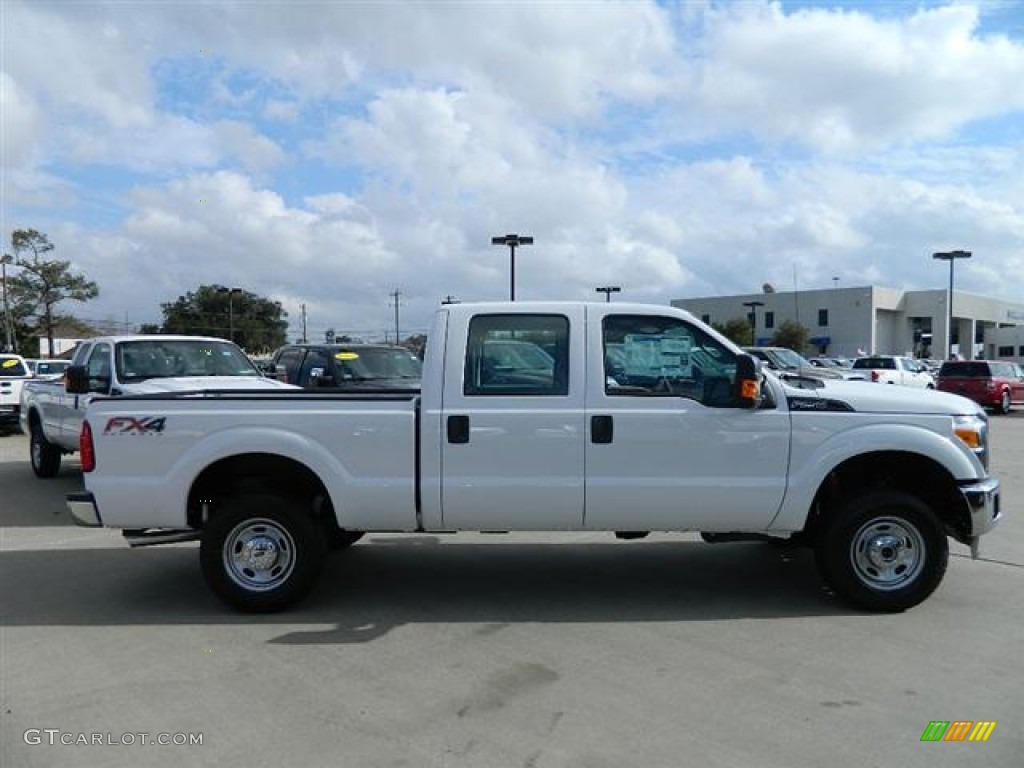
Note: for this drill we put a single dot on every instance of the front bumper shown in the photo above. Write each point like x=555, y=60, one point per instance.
x=83, y=509
x=983, y=502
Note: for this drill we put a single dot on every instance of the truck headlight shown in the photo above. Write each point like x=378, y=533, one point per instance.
x=972, y=431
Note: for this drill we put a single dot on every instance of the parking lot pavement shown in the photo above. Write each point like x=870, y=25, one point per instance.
x=473, y=650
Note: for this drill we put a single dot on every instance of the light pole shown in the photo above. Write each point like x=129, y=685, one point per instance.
x=8, y=344
x=950, y=256
x=231, y=309
x=608, y=290
x=512, y=241
x=753, y=305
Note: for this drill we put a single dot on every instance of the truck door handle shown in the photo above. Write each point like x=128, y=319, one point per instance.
x=458, y=430
x=602, y=429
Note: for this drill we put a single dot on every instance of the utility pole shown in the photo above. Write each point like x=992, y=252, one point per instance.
x=303, y=323
x=396, y=295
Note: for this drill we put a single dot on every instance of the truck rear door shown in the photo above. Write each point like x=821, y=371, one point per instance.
x=667, y=448
x=512, y=420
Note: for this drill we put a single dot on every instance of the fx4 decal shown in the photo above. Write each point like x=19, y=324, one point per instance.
x=130, y=425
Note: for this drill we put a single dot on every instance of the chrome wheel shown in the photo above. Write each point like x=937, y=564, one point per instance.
x=887, y=553
x=259, y=554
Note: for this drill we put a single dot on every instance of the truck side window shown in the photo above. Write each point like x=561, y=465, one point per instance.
x=291, y=359
x=99, y=368
x=517, y=355
x=650, y=355
x=314, y=368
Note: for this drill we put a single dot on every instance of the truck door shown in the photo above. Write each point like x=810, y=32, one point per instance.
x=512, y=422
x=100, y=379
x=667, y=448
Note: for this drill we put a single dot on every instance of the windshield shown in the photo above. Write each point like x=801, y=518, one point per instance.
x=166, y=358
x=378, y=363
x=12, y=366
x=787, y=358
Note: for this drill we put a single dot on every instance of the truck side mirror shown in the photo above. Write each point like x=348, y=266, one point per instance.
x=76, y=380
x=280, y=373
x=748, y=382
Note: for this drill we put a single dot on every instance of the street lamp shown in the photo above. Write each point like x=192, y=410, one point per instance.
x=8, y=343
x=753, y=305
x=608, y=290
x=231, y=309
x=512, y=241
x=950, y=256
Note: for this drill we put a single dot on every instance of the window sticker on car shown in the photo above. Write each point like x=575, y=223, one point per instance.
x=10, y=363
x=346, y=356
x=656, y=355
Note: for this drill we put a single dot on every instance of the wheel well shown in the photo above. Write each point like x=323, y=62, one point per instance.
x=910, y=473
x=257, y=473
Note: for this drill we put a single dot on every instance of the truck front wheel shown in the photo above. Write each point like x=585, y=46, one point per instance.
x=885, y=551
x=45, y=456
x=261, y=553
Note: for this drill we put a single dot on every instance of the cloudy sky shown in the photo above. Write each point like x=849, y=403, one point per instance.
x=329, y=153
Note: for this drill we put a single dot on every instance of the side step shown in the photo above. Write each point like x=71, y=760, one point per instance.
x=148, y=537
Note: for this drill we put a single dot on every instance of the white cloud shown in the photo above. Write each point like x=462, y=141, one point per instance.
x=641, y=145
x=840, y=81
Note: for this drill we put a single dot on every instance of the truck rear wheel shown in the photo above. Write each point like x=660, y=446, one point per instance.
x=45, y=456
x=261, y=553
x=885, y=551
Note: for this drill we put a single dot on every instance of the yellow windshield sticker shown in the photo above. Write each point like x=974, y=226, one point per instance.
x=346, y=356
x=10, y=363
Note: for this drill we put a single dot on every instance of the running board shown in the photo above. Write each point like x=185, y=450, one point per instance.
x=148, y=537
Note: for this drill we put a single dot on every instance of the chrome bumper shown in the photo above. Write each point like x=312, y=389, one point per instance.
x=983, y=501
x=83, y=509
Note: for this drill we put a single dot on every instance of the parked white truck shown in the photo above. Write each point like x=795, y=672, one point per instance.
x=51, y=414
x=893, y=369
x=677, y=430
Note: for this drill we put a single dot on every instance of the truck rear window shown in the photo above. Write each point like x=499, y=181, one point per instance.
x=884, y=363
x=517, y=355
x=964, y=371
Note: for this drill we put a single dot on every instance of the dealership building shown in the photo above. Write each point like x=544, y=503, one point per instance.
x=850, y=322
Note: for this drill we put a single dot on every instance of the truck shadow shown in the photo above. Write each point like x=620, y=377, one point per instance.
x=28, y=501
x=373, y=588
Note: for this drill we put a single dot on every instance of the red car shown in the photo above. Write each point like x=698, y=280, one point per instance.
x=990, y=383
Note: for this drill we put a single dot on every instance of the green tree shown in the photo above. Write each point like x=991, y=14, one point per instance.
x=41, y=284
x=737, y=330
x=791, y=335
x=258, y=324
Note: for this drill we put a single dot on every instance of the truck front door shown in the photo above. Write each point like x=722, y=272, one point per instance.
x=512, y=422
x=667, y=446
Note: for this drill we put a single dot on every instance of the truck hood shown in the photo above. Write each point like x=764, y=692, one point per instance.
x=197, y=383
x=869, y=397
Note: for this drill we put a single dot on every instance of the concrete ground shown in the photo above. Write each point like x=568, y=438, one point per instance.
x=506, y=651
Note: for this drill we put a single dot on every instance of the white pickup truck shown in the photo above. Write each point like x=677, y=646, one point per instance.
x=627, y=419
x=14, y=372
x=51, y=413
x=893, y=369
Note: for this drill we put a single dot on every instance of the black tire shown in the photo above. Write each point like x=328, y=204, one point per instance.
x=339, y=539
x=884, y=551
x=262, y=553
x=44, y=455
x=1004, y=403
